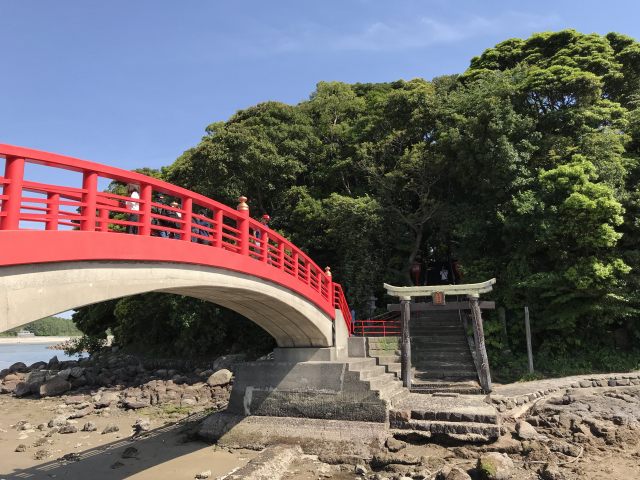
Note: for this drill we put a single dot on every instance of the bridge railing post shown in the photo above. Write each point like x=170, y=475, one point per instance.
x=104, y=220
x=243, y=225
x=14, y=174
x=53, y=210
x=146, y=197
x=89, y=200
x=218, y=220
x=265, y=246
x=187, y=218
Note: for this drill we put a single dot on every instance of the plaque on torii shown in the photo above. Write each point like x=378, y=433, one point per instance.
x=438, y=294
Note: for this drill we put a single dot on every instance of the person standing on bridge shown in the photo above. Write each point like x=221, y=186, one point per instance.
x=134, y=205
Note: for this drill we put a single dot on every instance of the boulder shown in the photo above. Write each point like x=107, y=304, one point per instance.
x=495, y=466
x=53, y=362
x=21, y=389
x=526, y=431
x=220, y=378
x=68, y=429
x=55, y=386
x=89, y=427
x=105, y=399
x=18, y=367
x=452, y=473
x=394, y=445
x=76, y=372
x=112, y=427
x=35, y=379
x=38, y=366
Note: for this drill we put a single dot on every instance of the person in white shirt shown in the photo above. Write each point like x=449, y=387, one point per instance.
x=134, y=193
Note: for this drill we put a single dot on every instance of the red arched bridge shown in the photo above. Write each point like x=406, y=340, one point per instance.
x=65, y=246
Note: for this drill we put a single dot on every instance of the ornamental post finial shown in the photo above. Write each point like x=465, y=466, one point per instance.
x=327, y=271
x=242, y=204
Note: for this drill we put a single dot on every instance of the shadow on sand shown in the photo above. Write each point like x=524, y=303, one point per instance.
x=150, y=450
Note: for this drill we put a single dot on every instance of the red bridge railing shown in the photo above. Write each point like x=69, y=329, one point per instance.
x=30, y=205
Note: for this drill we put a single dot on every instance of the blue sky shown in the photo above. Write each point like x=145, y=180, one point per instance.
x=133, y=83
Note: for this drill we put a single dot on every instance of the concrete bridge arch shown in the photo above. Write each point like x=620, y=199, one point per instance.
x=33, y=291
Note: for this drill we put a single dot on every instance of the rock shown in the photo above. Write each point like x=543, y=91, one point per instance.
x=141, y=425
x=42, y=454
x=34, y=379
x=82, y=412
x=89, y=427
x=21, y=448
x=76, y=372
x=360, y=470
x=526, y=431
x=105, y=399
x=64, y=374
x=21, y=389
x=68, y=429
x=18, y=367
x=550, y=471
x=53, y=362
x=118, y=464
x=205, y=474
x=452, y=473
x=74, y=400
x=135, y=403
x=130, y=452
x=23, y=425
x=42, y=426
x=55, y=386
x=70, y=457
x=394, y=445
x=221, y=377
x=38, y=366
x=57, y=421
x=9, y=387
x=495, y=466
x=110, y=428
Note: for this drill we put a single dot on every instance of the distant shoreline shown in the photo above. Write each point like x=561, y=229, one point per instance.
x=32, y=340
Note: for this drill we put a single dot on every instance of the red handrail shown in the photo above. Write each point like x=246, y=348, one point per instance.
x=341, y=304
x=197, y=218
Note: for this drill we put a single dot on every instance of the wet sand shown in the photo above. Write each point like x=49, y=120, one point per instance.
x=165, y=451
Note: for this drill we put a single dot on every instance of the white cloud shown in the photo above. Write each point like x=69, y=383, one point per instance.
x=418, y=32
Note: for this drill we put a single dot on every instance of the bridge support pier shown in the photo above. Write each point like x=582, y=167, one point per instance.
x=323, y=387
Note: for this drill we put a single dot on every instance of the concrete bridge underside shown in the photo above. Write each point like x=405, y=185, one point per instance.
x=31, y=292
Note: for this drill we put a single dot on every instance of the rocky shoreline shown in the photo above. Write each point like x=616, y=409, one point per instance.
x=125, y=380
x=567, y=434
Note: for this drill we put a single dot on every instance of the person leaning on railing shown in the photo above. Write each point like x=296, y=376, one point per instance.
x=133, y=191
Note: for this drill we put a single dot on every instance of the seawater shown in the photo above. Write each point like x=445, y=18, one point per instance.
x=29, y=353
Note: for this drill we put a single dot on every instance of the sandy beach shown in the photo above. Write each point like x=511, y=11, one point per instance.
x=32, y=340
x=165, y=451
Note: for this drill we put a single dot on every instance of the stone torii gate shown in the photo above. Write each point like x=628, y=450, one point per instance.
x=438, y=294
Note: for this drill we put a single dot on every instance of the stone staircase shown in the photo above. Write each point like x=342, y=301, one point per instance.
x=440, y=355
x=386, y=385
x=460, y=417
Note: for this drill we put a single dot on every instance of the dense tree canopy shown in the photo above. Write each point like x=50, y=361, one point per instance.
x=524, y=168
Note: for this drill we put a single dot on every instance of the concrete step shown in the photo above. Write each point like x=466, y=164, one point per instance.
x=388, y=359
x=469, y=415
x=448, y=428
x=392, y=392
x=443, y=365
x=422, y=355
x=382, y=382
x=461, y=390
x=372, y=372
x=375, y=352
x=361, y=363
